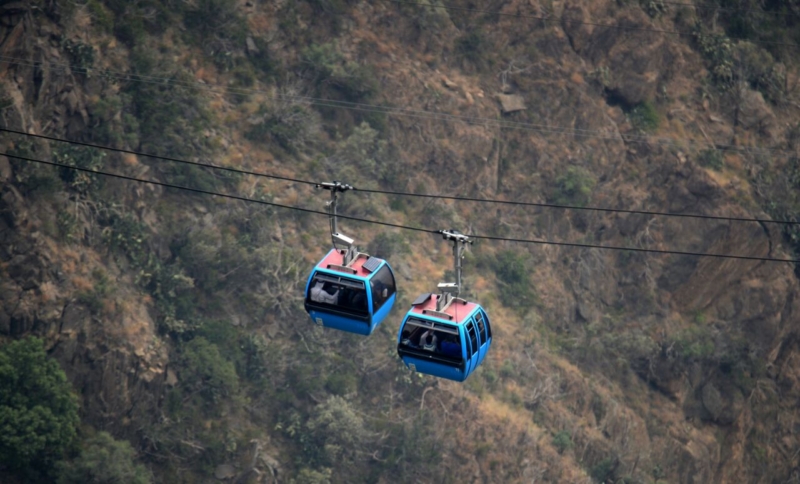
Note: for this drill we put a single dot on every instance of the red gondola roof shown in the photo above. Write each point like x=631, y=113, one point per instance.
x=458, y=309
x=336, y=256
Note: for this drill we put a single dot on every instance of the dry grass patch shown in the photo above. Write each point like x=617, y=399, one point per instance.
x=259, y=22
x=82, y=284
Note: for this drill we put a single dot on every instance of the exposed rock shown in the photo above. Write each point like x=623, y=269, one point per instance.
x=225, y=471
x=5, y=169
x=723, y=404
x=510, y=103
x=272, y=463
x=75, y=319
x=637, y=62
x=252, y=49
x=449, y=84
x=755, y=113
x=12, y=207
x=712, y=400
x=573, y=21
x=172, y=378
x=5, y=321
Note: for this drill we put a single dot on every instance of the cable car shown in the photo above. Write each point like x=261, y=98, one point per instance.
x=443, y=335
x=349, y=290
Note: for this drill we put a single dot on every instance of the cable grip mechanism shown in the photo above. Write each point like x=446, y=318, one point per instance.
x=336, y=188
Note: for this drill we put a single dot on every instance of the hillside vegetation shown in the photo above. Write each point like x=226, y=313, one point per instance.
x=163, y=333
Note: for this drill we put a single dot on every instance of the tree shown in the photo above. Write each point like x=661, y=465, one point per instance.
x=204, y=369
x=337, y=431
x=38, y=411
x=103, y=460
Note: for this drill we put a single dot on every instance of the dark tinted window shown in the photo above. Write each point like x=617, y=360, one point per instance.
x=473, y=337
x=338, y=292
x=488, y=326
x=442, y=340
x=383, y=287
x=481, y=326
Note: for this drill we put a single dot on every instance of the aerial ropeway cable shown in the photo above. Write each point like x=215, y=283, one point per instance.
x=405, y=194
x=441, y=335
x=400, y=226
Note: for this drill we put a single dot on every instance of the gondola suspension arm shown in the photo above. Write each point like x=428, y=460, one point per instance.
x=448, y=289
x=335, y=188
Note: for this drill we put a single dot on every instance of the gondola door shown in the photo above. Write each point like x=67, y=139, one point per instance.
x=483, y=335
x=474, y=344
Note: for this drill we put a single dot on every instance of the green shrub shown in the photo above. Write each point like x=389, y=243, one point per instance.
x=124, y=233
x=644, y=117
x=311, y=476
x=101, y=17
x=342, y=382
x=336, y=431
x=779, y=187
x=363, y=155
x=81, y=55
x=756, y=67
x=113, y=122
x=67, y=225
x=717, y=50
x=172, y=113
x=81, y=157
x=573, y=187
x=34, y=177
x=513, y=275
x=38, y=411
x=103, y=460
x=774, y=24
x=94, y=298
x=471, y=46
x=256, y=352
x=712, y=158
x=287, y=122
x=603, y=470
x=212, y=17
x=653, y=8
x=562, y=441
x=328, y=68
x=695, y=343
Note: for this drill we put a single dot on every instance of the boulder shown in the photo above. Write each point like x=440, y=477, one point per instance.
x=723, y=402
x=449, y=84
x=755, y=113
x=5, y=169
x=172, y=378
x=510, y=103
x=224, y=472
x=252, y=49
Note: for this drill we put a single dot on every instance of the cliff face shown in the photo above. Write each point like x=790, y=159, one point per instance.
x=606, y=365
x=112, y=355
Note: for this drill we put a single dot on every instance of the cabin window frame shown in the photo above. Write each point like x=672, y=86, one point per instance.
x=343, y=284
x=415, y=348
x=380, y=276
x=479, y=321
x=472, y=335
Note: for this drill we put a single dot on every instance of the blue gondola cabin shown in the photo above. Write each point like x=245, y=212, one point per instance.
x=448, y=344
x=355, y=297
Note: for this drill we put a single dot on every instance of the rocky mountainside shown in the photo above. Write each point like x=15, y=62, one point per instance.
x=177, y=317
